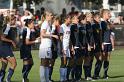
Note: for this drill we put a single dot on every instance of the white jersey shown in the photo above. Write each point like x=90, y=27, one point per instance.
x=65, y=30
x=46, y=42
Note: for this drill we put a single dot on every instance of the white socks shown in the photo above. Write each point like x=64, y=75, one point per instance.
x=63, y=73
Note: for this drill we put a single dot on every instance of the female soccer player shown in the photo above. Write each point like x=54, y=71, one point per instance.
x=45, y=53
x=91, y=46
x=28, y=38
x=55, y=30
x=83, y=43
x=65, y=39
x=8, y=39
x=97, y=32
x=74, y=38
x=107, y=41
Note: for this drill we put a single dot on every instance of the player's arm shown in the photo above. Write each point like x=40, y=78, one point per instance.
x=44, y=35
x=112, y=37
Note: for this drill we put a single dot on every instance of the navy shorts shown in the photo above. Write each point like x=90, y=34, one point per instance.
x=54, y=54
x=107, y=48
x=81, y=52
x=25, y=52
x=6, y=51
x=91, y=53
x=98, y=48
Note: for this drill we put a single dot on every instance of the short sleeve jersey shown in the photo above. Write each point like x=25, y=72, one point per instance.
x=65, y=30
x=46, y=42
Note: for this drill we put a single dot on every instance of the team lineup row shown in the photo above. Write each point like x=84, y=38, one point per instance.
x=79, y=39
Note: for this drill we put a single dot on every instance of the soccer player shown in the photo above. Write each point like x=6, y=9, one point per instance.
x=55, y=30
x=8, y=39
x=97, y=32
x=91, y=46
x=65, y=39
x=83, y=42
x=107, y=40
x=28, y=39
x=45, y=53
x=74, y=37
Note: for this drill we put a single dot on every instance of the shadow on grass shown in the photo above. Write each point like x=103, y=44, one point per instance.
x=117, y=76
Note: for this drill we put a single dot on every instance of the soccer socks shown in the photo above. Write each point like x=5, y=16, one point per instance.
x=50, y=72
x=90, y=69
x=68, y=72
x=42, y=74
x=106, y=66
x=10, y=73
x=63, y=74
x=24, y=71
x=2, y=71
x=80, y=71
x=2, y=75
x=47, y=74
x=98, y=66
x=86, y=71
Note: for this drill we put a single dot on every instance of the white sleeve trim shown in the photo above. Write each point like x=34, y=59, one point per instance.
x=28, y=33
x=7, y=30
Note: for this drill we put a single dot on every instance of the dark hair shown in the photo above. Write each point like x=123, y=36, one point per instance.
x=28, y=21
x=81, y=17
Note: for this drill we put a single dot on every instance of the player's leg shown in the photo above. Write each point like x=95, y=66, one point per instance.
x=4, y=64
x=12, y=61
x=106, y=57
x=27, y=65
x=98, y=65
x=52, y=62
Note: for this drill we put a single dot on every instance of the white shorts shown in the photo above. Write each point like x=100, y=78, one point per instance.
x=45, y=53
x=67, y=53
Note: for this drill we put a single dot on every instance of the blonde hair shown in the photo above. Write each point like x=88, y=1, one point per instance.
x=8, y=19
x=103, y=11
x=88, y=14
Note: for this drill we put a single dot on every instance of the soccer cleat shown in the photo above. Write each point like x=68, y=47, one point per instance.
x=89, y=79
x=25, y=80
x=51, y=80
x=7, y=80
x=105, y=77
x=96, y=77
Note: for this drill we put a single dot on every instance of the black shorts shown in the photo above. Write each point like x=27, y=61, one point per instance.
x=81, y=52
x=107, y=48
x=6, y=51
x=54, y=55
x=98, y=48
x=25, y=52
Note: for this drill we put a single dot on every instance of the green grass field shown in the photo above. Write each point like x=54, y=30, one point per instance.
x=116, y=69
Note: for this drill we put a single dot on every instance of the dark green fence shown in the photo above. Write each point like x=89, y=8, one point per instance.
x=119, y=35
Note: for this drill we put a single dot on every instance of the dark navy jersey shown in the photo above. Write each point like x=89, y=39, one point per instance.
x=90, y=37
x=10, y=33
x=74, y=37
x=54, y=40
x=28, y=34
x=106, y=32
x=82, y=35
x=97, y=32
